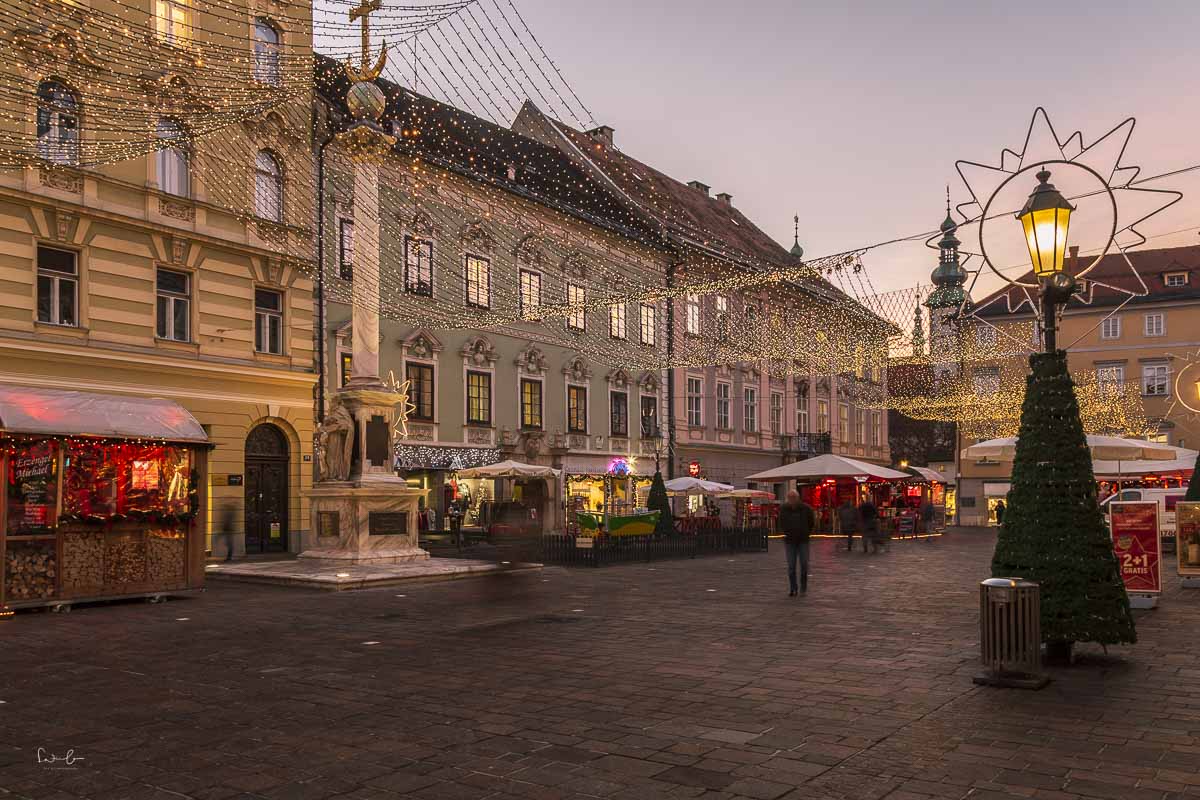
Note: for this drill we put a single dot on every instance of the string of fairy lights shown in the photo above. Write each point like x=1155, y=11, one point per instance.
x=238, y=89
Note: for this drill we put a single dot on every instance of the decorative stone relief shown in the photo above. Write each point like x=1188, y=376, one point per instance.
x=530, y=252
x=475, y=237
x=574, y=265
x=179, y=248
x=176, y=209
x=53, y=45
x=618, y=378
x=649, y=383
x=61, y=178
x=479, y=352
x=533, y=444
x=531, y=360
x=420, y=433
x=558, y=440
x=508, y=437
x=479, y=435
x=63, y=223
x=577, y=370
x=578, y=442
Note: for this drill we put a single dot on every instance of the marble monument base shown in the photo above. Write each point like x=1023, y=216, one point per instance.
x=368, y=521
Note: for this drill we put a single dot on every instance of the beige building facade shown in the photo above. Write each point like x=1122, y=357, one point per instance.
x=173, y=269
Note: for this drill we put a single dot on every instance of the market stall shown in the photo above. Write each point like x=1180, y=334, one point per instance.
x=926, y=486
x=527, y=501
x=619, y=490
x=104, y=497
x=700, y=513
x=826, y=481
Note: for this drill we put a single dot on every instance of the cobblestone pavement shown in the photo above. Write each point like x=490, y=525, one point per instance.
x=669, y=680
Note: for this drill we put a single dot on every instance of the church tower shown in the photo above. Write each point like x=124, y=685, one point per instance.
x=948, y=297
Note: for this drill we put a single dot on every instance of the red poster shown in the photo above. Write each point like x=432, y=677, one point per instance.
x=1137, y=546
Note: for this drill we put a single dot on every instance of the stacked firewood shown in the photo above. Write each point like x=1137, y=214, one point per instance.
x=124, y=560
x=83, y=559
x=30, y=572
x=165, y=557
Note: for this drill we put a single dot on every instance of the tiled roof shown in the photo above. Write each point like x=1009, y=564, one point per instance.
x=482, y=150
x=1152, y=265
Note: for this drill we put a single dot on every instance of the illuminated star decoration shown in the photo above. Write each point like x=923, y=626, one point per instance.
x=1186, y=389
x=404, y=404
x=1130, y=205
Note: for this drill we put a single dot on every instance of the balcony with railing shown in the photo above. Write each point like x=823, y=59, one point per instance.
x=804, y=445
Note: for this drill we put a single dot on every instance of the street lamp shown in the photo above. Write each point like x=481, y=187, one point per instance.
x=1046, y=218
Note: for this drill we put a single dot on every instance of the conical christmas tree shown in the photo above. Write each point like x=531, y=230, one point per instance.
x=659, y=502
x=1193, y=492
x=1054, y=532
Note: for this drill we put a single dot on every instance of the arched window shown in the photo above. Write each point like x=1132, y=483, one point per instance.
x=172, y=158
x=268, y=186
x=266, y=52
x=57, y=123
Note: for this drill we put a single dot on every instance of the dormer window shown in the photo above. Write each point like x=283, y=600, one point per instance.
x=1175, y=279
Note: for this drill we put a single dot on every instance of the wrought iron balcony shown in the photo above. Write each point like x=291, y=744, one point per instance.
x=805, y=445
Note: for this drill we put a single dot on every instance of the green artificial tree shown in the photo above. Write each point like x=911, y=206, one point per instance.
x=1054, y=531
x=659, y=502
x=1193, y=492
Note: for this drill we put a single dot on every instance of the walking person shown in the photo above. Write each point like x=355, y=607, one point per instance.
x=1000, y=509
x=797, y=520
x=849, y=521
x=927, y=513
x=870, y=526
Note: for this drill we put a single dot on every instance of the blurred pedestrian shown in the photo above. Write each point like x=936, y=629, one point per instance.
x=927, y=511
x=1000, y=509
x=796, y=520
x=849, y=521
x=871, y=532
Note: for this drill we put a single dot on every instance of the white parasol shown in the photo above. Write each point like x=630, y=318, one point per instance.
x=688, y=485
x=829, y=466
x=509, y=469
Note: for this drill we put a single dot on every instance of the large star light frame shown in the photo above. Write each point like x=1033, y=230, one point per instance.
x=1130, y=206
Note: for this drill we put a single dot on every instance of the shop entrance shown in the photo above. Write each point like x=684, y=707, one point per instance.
x=266, y=490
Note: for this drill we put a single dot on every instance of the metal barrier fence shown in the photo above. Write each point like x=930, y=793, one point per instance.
x=602, y=551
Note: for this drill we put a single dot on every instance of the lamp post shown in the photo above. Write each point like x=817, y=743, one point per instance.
x=1046, y=218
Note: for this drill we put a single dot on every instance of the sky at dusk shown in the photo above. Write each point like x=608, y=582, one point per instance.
x=852, y=114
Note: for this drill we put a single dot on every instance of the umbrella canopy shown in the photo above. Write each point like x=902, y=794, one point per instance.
x=509, y=469
x=688, y=485
x=1110, y=448
x=1184, y=462
x=751, y=494
x=828, y=466
x=931, y=475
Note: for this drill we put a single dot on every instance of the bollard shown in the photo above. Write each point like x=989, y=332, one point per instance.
x=1010, y=634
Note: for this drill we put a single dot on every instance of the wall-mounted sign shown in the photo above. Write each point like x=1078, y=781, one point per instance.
x=1137, y=545
x=226, y=480
x=694, y=469
x=1187, y=541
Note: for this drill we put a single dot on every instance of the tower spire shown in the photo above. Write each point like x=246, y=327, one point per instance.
x=797, y=250
x=949, y=278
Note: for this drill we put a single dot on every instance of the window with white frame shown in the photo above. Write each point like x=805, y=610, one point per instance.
x=576, y=317
x=268, y=186
x=649, y=415
x=776, y=412
x=531, y=291
x=479, y=398
x=1156, y=380
x=171, y=22
x=57, y=123
x=822, y=416
x=877, y=428
x=801, y=413
x=1110, y=377
x=616, y=320
x=693, y=314
x=171, y=160
x=479, y=282
x=266, y=52
x=1110, y=328
x=695, y=401
x=577, y=409
x=420, y=389
x=346, y=249
x=57, y=286
x=268, y=321
x=721, y=305
x=750, y=409
x=860, y=426
x=1176, y=279
x=418, y=266
x=531, y=403
x=1159, y=438
x=649, y=323
x=1155, y=324
x=724, y=406
x=174, y=294
x=618, y=407
x=986, y=380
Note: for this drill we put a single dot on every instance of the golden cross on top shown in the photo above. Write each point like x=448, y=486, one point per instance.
x=366, y=72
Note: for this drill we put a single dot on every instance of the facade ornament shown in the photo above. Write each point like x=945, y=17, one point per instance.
x=53, y=45
x=649, y=383
x=478, y=352
x=530, y=252
x=179, y=249
x=62, y=178
x=577, y=370
x=475, y=237
x=618, y=378
x=422, y=225
x=558, y=440
x=531, y=360
x=479, y=436
x=64, y=222
x=508, y=437
x=533, y=444
x=574, y=265
x=177, y=209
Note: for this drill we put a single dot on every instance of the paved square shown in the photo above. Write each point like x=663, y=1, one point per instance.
x=673, y=679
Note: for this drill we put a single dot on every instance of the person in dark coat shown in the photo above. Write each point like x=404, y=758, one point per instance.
x=870, y=526
x=797, y=520
x=848, y=519
x=1000, y=509
x=927, y=514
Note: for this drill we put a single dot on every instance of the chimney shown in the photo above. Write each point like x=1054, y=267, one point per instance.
x=726, y=198
x=700, y=187
x=1073, y=258
x=602, y=134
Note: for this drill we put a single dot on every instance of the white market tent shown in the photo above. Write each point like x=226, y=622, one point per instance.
x=58, y=412
x=1184, y=461
x=509, y=469
x=828, y=466
x=747, y=494
x=931, y=475
x=1111, y=448
x=689, y=485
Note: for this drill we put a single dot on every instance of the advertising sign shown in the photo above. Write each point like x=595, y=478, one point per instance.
x=33, y=489
x=694, y=469
x=1187, y=547
x=1137, y=545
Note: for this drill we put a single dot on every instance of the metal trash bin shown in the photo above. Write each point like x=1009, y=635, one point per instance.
x=1010, y=633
